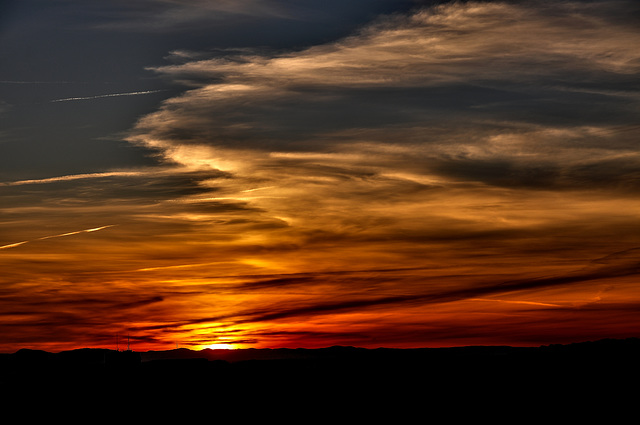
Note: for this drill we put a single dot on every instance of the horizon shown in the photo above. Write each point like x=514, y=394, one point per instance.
x=159, y=350
x=269, y=173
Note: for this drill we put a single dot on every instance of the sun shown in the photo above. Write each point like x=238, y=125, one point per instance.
x=221, y=346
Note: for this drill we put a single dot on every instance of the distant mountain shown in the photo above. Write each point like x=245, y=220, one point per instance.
x=605, y=347
x=620, y=349
x=448, y=379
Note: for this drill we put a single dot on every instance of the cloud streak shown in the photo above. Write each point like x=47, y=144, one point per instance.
x=631, y=268
x=72, y=177
x=95, y=229
x=13, y=245
x=135, y=93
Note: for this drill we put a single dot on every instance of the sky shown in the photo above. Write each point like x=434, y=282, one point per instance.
x=304, y=174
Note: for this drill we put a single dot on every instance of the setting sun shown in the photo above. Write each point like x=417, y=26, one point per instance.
x=221, y=346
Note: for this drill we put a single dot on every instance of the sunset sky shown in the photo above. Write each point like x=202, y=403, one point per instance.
x=279, y=173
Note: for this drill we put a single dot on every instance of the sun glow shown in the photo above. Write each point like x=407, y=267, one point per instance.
x=221, y=347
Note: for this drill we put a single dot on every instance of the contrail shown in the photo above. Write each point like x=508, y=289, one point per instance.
x=12, y=245
x=74, y=177
x=95, y=229
x=135, y=93
x=516, y=302
x=40, y=82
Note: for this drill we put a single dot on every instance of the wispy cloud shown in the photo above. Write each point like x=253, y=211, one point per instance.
x=167, y=15
x=534, y=303
x=463, y=87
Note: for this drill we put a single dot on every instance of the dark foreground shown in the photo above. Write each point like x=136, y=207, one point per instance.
x=481, y=381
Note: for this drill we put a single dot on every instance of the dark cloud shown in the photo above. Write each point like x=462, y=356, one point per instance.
x=450, y=100
x=613, y=266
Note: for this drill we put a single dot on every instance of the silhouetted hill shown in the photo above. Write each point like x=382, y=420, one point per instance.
x=606, y=347
x=501, y=375
x=620, y=351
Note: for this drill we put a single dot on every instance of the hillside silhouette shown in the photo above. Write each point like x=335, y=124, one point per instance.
x=444, y=376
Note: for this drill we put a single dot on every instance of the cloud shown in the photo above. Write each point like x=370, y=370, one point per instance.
x=439, y=317
x=168, y=15
x=459, y=173
x=326, y=296
x=449, y=138
x=406, y=130
x=448, y=143
x=630, y=268
x=452, y=43
x=464, y=87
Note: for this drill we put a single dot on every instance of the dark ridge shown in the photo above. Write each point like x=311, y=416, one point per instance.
x=622, y=349
x=605, y=347
x=604, y=370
